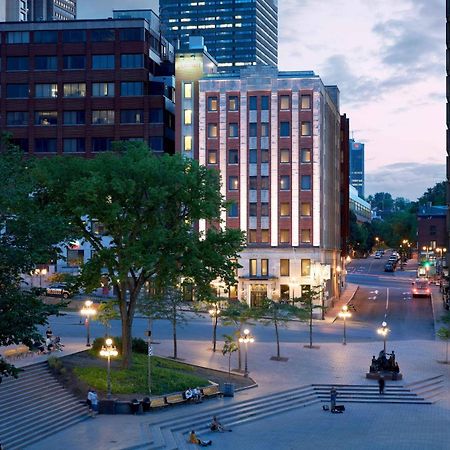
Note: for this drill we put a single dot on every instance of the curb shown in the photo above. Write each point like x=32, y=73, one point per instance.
x=349, y=300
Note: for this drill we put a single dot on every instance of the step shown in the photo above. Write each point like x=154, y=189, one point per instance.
x=398, y=402
x=24, y=380
x=27, y=371
x=426, y=380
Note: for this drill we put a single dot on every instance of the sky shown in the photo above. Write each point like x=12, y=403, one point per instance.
x=387, y=58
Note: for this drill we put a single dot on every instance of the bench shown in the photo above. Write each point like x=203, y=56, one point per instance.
x=175, y=399
x=159, y=402
x=16, y=352
x=211, y=391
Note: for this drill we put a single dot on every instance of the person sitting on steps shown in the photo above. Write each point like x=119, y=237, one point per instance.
x=193, y=439
x=217, y=426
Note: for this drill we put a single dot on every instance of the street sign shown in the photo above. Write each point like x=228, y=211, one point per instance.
x=150, y=351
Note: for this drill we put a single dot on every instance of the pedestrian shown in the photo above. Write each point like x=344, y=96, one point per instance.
x=92, y=402
x=194, y=439
x=49, y=333
x=381, y=384
x=333, y=397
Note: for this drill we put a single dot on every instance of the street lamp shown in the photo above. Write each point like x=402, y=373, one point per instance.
x=383, y=331
x=40, y=272
x=109, y=350
x=88, y=311
x=344, y=314
x=214, y=313
x=246, y=338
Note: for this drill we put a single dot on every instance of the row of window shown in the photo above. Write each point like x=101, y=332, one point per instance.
x=75, y=62
x=284, y=183
x=305, y=267
x=73, y=36
x=284, y=102
x=284, y=236
x=50, y=90
x=285, y=209
x=255, y=156
x=233, y=129
x=99, y=117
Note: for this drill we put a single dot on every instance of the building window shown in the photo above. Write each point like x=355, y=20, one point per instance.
x=45, y=37
x=131, y=88
x=233, y=183
x=265, y=236
x=187, y=90
x=212, y=104
x=285, y=183
x=103, y=89
x=17, y=91
x=46, y=118
x=253, y=156
x=305, y=270
x=188, y=116
x=264, y=155
x=212, y=156
x=284, y=267
x=306, y=128
x=101, y=144
x=45, y=63
x=212, y=130
x=264, y=102
x=132, y=34
x=305, y=156
x=305, y=209
x=18, y=37
x=74, y=118
x=74, y=36
x=305, y=183
x=251, y=237
x=74, y=62
x=132, y=116
x=102, y=35
x=17, y=63
x=285, y=209
x=74, y=89
x=75, y=258
x=233, y=157
x=305, y=102
x=47, y=145
x=285, y=129
x=187, y=143
x=285, y=102
x=305, y=236
x=233, y=130
x=74, y=145
x=46, y=90
x=17, y=118
x=103, y=62
x=264, y=210
x=253, y=267
x=285, y=156
x=264, y=267
x=265, y=129
x=233, y=103
x=265, y=183
x=432, y=230
x=156, y=115
x=253, y=209
x=132, y=61
x=156, y=143
x=285, y=236
x=253, y=183
x=253, y=103
x=233, y=210
x=103, y=117
x=252, y=129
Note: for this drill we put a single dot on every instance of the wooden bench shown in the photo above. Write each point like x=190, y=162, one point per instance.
x=175, y=399
x=16, y=352
x=211, y=391
x=159, y=402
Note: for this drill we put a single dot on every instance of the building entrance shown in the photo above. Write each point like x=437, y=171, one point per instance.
x=258, y=294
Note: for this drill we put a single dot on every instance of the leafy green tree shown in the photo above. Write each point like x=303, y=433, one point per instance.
x=436, y=195
x=229, y=347
x=149, y=206
x=106, y=312
x=308, y=300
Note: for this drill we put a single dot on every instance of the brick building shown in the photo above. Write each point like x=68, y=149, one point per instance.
x=431, y=227
x=275, y=139
x=77, y=86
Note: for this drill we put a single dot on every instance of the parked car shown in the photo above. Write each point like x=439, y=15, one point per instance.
x=58, y=290
x=421, y=288
x=389, y=267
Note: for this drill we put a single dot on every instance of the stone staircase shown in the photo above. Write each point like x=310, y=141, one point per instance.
x=28, y=403
x=172, y=434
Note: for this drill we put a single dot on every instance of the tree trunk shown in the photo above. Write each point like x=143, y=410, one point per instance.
x=127, y=324
x=278, y=339
x=229, y=366
x=310, y=328
x=174, y=331
x=239, y=350
x=215, y=333
x=126, y=314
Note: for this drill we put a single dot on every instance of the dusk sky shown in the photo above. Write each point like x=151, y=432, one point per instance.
x=388, y=59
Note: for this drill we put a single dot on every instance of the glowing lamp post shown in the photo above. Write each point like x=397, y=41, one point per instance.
x=245, y=339
x=345, y=314
x=214, y=313
x=88, y=311
x=40, y=272
x=109, y=350
x=383, y=331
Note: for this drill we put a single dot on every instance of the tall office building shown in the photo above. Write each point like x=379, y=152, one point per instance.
x=37, y=10
x=14, y=10
x=357, y=166
x=237, y=34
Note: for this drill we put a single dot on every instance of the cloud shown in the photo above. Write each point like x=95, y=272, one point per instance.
x=409, y=179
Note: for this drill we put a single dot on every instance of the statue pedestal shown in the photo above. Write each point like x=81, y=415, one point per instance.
x=386, y=375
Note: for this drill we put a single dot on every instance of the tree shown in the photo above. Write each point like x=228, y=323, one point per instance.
x=436, y=195
x=229, y=347
x=308, y=302
x=149, y=206
x=106, y=312
x=277, y=314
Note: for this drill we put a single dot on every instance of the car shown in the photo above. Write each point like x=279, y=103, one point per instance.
x=421, y=288
x=389, y=267
x=377, y=255
x=58, y=290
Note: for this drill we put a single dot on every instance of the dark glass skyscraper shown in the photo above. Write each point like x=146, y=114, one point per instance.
x=357, y=166
x=237, y=33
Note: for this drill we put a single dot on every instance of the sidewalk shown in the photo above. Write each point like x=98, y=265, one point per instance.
x=346, y=296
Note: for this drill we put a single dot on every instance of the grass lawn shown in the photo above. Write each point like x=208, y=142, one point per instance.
x=167, y=376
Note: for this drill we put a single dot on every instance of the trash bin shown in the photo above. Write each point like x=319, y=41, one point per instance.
x=134, y=405
x=228, y=390
x=145, y=404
